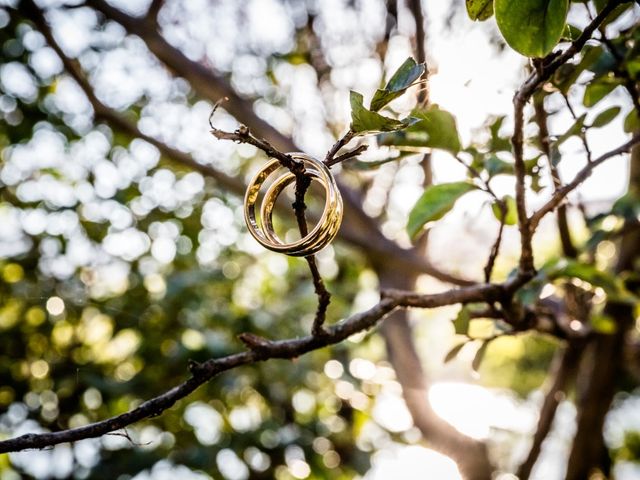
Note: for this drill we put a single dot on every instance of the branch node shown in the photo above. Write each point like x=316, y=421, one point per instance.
x=194, y=367
x=254, y=342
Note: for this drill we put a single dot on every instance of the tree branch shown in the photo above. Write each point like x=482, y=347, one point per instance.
x=568, y=248
x=560, y=194
x=346, y=138
x=259, y=351
x=543, y=71
x=154, y=9
x=563, y=370
x=73, y=68
x=361, y=231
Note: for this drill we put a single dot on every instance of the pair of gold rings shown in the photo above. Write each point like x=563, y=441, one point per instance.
x=326, y=228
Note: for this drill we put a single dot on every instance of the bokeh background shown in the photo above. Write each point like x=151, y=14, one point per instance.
x=118, y=265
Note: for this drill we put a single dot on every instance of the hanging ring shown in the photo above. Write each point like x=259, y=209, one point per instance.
x=326, y=228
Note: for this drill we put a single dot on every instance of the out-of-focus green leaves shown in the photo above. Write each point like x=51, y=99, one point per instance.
x=571, y=33
x=403, y=78
x=531, y=27
x=431, y=128
x=453, y=353
x=575, y=129
x=364, y=122
x=479, y=9
x=462, y=320
x=629, y=451
x=597, y=90
x=605, y=117
x=496, y=166
x=584, y=271
x=632, y=122
x=603, y=323
x=510, y=217
x=479, y=356
x=435, y=203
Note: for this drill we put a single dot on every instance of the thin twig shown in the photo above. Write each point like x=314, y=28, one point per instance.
x=346, y=138
x=560, y=194
x=566, y=241
x=495, y=249
x=303, y=181
x=346, y=156
x=154, y=9
x=582, y=135
x=243, y=135
x=629, y=84
x=563, y=370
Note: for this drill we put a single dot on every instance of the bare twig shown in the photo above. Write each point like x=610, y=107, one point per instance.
x=563, y=371
x=303, y=181
x=244, y=135
x=560, y=194
x=346, y=156
x=495, y=248
x=582, y=135
x=346, y=138
x=154, y=9
x=416, y=10
x=568, y=248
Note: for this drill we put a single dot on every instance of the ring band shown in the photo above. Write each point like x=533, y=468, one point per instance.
x=324, y=231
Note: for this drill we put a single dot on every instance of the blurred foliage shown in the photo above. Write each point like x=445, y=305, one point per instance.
x=119, y=267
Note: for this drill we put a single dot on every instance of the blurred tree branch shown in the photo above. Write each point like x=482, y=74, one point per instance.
x=562, y=374
x=362, y=230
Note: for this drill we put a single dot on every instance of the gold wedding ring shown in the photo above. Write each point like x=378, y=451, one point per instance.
x=326, y=228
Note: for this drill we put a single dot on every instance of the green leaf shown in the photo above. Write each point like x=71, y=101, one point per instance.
x=364, y=121
x=574, y=129
x=403, y=78
x=604, y=324
x=632, y=122
x=571, y=33
x=461, y=322
x=511, y=217
x=434, y=204
x=433, y=128
x=587, y=272
x=479, y=9
x=596, y=91
x=496, y=166
x=531, y=27
x=372, y=165
x=453, y=353
x=477, y=360
x=605, y=117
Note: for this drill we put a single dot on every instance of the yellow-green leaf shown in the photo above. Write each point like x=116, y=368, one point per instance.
x=511, y=216
x=364, y=121
x=479, y=9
